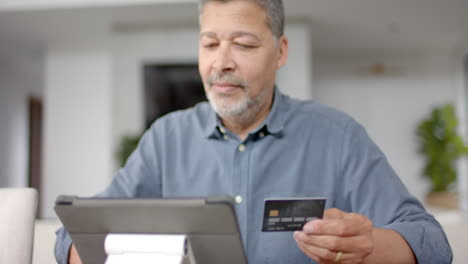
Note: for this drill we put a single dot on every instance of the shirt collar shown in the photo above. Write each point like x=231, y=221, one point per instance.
x=273, y=124
x=212, y=125
x=276, y=119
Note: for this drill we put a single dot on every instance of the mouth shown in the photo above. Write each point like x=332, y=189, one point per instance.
x=223, y=87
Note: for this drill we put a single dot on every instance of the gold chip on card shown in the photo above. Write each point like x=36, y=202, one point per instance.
x=274, y=212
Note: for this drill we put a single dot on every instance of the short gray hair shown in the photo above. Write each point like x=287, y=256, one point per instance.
x=274, y=10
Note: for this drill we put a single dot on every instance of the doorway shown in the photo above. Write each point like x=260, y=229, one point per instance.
x=35, y=109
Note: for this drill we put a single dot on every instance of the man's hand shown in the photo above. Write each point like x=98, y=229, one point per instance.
x=73, y=257
x=348, y=233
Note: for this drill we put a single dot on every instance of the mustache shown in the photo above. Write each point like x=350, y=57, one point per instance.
x=227, y=78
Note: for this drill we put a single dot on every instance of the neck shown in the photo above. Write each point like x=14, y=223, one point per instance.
x=250, y=119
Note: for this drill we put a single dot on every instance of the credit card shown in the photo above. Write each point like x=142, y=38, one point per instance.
x=291, y=214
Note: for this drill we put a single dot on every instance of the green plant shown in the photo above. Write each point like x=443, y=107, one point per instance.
x=441, y=145
x=126, y=147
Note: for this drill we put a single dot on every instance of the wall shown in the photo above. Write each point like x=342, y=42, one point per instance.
x=77, y=120
x=21, y=75
x=131, y=49
x=295, y=78
x=391, y=104
x=461, y=83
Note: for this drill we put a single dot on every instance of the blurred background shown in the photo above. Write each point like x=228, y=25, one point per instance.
x=79, y=79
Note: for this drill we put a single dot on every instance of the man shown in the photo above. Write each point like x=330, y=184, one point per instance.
x=253, y=142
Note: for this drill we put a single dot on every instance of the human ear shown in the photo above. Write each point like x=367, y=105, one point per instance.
x=283, y=47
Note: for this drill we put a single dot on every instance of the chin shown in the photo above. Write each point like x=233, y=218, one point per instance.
x=228, y=105
x=233, y=109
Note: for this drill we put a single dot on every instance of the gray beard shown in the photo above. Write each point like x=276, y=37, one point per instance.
x=244, y=112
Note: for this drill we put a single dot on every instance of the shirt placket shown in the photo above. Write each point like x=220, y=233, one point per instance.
x=240, y=181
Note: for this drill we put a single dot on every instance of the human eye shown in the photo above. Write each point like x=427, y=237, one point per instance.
x=245, y=46
x=209, y=44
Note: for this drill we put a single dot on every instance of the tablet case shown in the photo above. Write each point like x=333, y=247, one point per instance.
x=210, y=224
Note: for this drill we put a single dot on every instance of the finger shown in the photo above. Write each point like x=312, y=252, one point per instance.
x=334, y=243
x=350, y=225
x=321, y=255
x=314, y=251
x=333, y=213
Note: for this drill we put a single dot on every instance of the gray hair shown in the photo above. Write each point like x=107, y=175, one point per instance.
x=274, y=10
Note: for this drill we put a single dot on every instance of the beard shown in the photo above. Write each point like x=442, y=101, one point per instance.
x=226, y=105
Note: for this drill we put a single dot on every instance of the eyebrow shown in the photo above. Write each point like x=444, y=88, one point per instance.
x=234, y=34
x=208, y=34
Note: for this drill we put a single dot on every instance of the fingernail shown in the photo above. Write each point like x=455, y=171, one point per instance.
x=309, y=228
x=296, y=235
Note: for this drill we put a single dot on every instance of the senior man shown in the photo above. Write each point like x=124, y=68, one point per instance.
x=253, y=142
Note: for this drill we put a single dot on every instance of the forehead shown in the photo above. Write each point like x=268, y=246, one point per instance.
x=238, y=15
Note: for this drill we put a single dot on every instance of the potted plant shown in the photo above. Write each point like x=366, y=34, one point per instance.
x=442, y=147
x=126, y=147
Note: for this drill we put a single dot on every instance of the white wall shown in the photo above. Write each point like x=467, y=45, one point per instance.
x=77, y=121
x=389, y=105
x=180, y=45
x=21, y=75
x=461, y=83
x=295, y=78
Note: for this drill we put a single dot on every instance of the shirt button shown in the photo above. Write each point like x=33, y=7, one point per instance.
x=222, y=130
x=226, y=137
x=238, y=199
x=262, y=134
x=241, y=148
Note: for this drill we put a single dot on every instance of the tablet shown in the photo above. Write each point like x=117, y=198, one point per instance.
x=209, y=223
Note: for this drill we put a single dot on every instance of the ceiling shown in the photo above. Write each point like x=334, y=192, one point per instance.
x=336, y=25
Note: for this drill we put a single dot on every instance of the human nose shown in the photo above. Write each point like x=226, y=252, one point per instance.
x=223, y=60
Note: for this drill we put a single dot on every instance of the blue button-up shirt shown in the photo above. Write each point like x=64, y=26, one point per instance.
x=302, y=149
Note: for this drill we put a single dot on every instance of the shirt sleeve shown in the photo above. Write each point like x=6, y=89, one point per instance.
x=140, y=177
x=62, y=246
x=372, y=188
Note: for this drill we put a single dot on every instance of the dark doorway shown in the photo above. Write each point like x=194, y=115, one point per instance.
x=169, y=88
x=35, y=146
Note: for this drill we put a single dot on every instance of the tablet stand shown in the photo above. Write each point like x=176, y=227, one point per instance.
x=148, y=248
